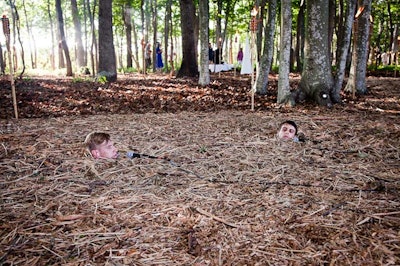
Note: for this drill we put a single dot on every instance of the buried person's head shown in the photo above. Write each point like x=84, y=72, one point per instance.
x=287, y=130
x=100, y=146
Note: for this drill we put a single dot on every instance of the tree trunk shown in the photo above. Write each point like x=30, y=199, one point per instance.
x=284, y=95
x=343, y=48
x=80, y=51
x=316, y=82
x=189, y=63
x=154, y=20
x=93, y=46
x=300, y=37
x=204, y=62
x=53, y=44
x=32, y=42
x=2, y=64
x=167, y=22
x=268, y=52
x=358, y=71
x=127, y=16
x=64, y=45
x=107, y=60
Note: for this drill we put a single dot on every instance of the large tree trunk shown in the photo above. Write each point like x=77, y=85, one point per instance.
x=80, y=51
x=107, y=60
x=343, y=48
x=358, y=71
x=64, y=45
x=316, y=82
x=284, y=95
x=203, y=18
x=189, y=47
x=266, y=58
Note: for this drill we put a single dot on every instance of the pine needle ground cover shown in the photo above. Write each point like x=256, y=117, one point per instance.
x=225, y=191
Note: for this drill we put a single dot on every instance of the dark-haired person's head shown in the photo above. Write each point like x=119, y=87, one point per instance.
x=287, y=130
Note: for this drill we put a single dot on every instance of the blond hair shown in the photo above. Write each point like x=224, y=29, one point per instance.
x=94, y=139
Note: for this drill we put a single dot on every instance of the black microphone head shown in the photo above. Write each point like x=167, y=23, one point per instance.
x=131, y=155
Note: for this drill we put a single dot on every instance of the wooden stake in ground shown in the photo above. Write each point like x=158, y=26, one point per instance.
x=6, y=30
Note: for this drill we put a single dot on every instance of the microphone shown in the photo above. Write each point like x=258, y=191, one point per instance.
x=131, y=155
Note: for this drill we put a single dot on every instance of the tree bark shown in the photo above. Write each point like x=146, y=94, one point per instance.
x=300, y=33
x=167, y=22
x=107, y=60
x=266, y=58
x=127, y=16
x=80, y=51
x=343, y=48
x=284, y=95
x=93, y=46
x=358, y=70
x=316, y=82
x=53, y=44
x=64, y=45
x=204, y=62
x=189, y=63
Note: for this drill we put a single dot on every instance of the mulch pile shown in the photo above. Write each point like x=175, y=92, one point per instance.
x=224, y=190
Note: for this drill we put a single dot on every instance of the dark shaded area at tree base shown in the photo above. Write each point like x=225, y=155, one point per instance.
x=136, y=93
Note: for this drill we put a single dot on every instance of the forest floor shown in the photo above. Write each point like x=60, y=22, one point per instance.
x=226, y=192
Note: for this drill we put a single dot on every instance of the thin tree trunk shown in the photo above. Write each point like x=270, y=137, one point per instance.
x=167, y=22
x=154, y=19
x=53, y=44
x=300, y=33
x=2, y=64
x=343, y=48
x=93, y=45
x=32, y=42
x=127, y=16
x=284, y=95
x=204, y=78
x=358, y=71
x=80, y=51
x=268, y=52
x=62, y=37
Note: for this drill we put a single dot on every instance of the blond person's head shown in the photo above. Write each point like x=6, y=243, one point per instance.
x=100, y=146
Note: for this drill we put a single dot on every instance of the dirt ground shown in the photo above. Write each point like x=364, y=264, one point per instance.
x=227, y=191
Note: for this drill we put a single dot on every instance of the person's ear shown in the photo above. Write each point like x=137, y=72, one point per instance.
x=95, y=153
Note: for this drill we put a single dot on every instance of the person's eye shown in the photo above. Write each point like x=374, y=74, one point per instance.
x=291, y=131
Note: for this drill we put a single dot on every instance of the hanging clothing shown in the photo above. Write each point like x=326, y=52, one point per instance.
x=246, y=63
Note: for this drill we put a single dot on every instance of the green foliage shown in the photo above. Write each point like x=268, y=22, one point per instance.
x=101, y=79
x=389, y=68
x=127, y=70
x=79, y=80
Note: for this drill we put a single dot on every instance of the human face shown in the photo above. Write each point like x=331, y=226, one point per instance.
x=287, y=132
x=105, y=150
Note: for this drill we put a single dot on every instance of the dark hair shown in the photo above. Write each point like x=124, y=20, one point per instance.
x=290, y=122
